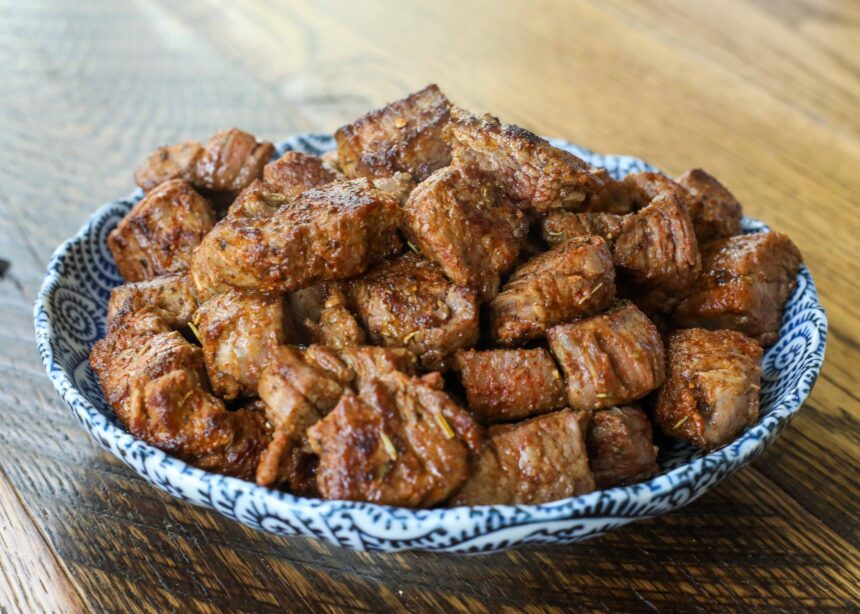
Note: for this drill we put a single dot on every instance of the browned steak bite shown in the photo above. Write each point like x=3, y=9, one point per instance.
x=712, y=390
x=610, y=359
x=719, y=212
x=238, y=330
x=297, y=393
x=156, y=382
x=534, y=174
x=405, y=135
x=504, y=385
x=158, y=235
x=173, y=294
x=400, y=441
x=655, y=250
x=540, y=460
x=569, y=281
x=745, y=284
x=621, y=447
x=461, y=219
x=231, y=160
x=327, y=233
x=295, y=172
x=337, y=326
x=408, y=302
x=367, y=362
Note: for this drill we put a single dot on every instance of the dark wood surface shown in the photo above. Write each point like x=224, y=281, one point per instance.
x=763, y=93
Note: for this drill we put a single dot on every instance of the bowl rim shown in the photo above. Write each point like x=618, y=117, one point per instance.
x=734, y=455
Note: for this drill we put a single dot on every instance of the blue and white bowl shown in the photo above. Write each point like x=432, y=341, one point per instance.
x=70, y=315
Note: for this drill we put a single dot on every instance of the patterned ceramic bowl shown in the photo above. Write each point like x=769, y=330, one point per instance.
x=69, y=317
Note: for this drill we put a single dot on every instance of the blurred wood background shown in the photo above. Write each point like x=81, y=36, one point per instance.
x=765, y=94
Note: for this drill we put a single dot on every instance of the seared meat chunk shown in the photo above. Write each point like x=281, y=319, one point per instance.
x=368, y=362
x=295, y=172
x=297, y=394
x=534, y=174
x=326, y=233
x=337, y=325
x=173, y=294
x=258, y=200
x=621, y=447
x=460, y=219
x=231, y=160
x=712, y=389
x=400, y=441
x=238, y=330
x=398, y=185
x=569, y=281
x=194, y=425
x=655, y=250
x=160, y=232
x=408, y=302
x=540, y=460
x=156, y=382
x=745, y=284
x=609, y=359
x=719, y=212
x=503, y=385
x=405, y=135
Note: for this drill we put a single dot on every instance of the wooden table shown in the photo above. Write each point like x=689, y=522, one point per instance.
x=763, y=93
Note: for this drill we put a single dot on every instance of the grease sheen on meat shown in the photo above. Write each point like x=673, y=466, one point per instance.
x=173, y=294
x=161, y=231
x=712, y=389
x=744, y=286
x=719, y=213
x=403, y=136
x=503, y=385
x=609, y=359
x=326, y=233
x=571, y=280
x=400, y=441
x=539, y=460
x=621, y=447
x=406, y=301
x=460, y=219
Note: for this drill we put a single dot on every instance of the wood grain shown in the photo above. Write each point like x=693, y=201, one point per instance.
x=763, y=93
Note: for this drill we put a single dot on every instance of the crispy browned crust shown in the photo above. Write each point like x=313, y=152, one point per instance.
x=571, y=280
x=159, y=234
x=621, y=447
x=504, y=385
x=542, y=459
x=719, y=212
x=177, y=161
x=327, y=233
x=609, y=359
x=173, y=294
x=401, y=441
x=403, y=136
x=712, y=390
x=744, y=286
x=408, y=302
x=461, y=219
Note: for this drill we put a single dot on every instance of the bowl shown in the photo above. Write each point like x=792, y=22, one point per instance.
x=70, y=313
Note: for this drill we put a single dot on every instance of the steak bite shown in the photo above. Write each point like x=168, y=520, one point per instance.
x=173, y=294
x=231, y=160
x=238, y=331
x=621, y=447
x=534, y=174
x=333, y=232
x=400, y=441
x=405, y=135
x=156, y=383
x=569, y=281
x=745, y=284
x=337, y=326
x=367, y=362
x=712, y=390
x=609, y=359
x=540, y=460
x=719, y=212
x=460, y=219
x=158, y=235
x=504, y=385
x=296, y=394
x=654, y=250
x=295, y=172
x=407, y=302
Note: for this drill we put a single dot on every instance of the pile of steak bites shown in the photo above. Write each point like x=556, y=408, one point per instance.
x=446, y=310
